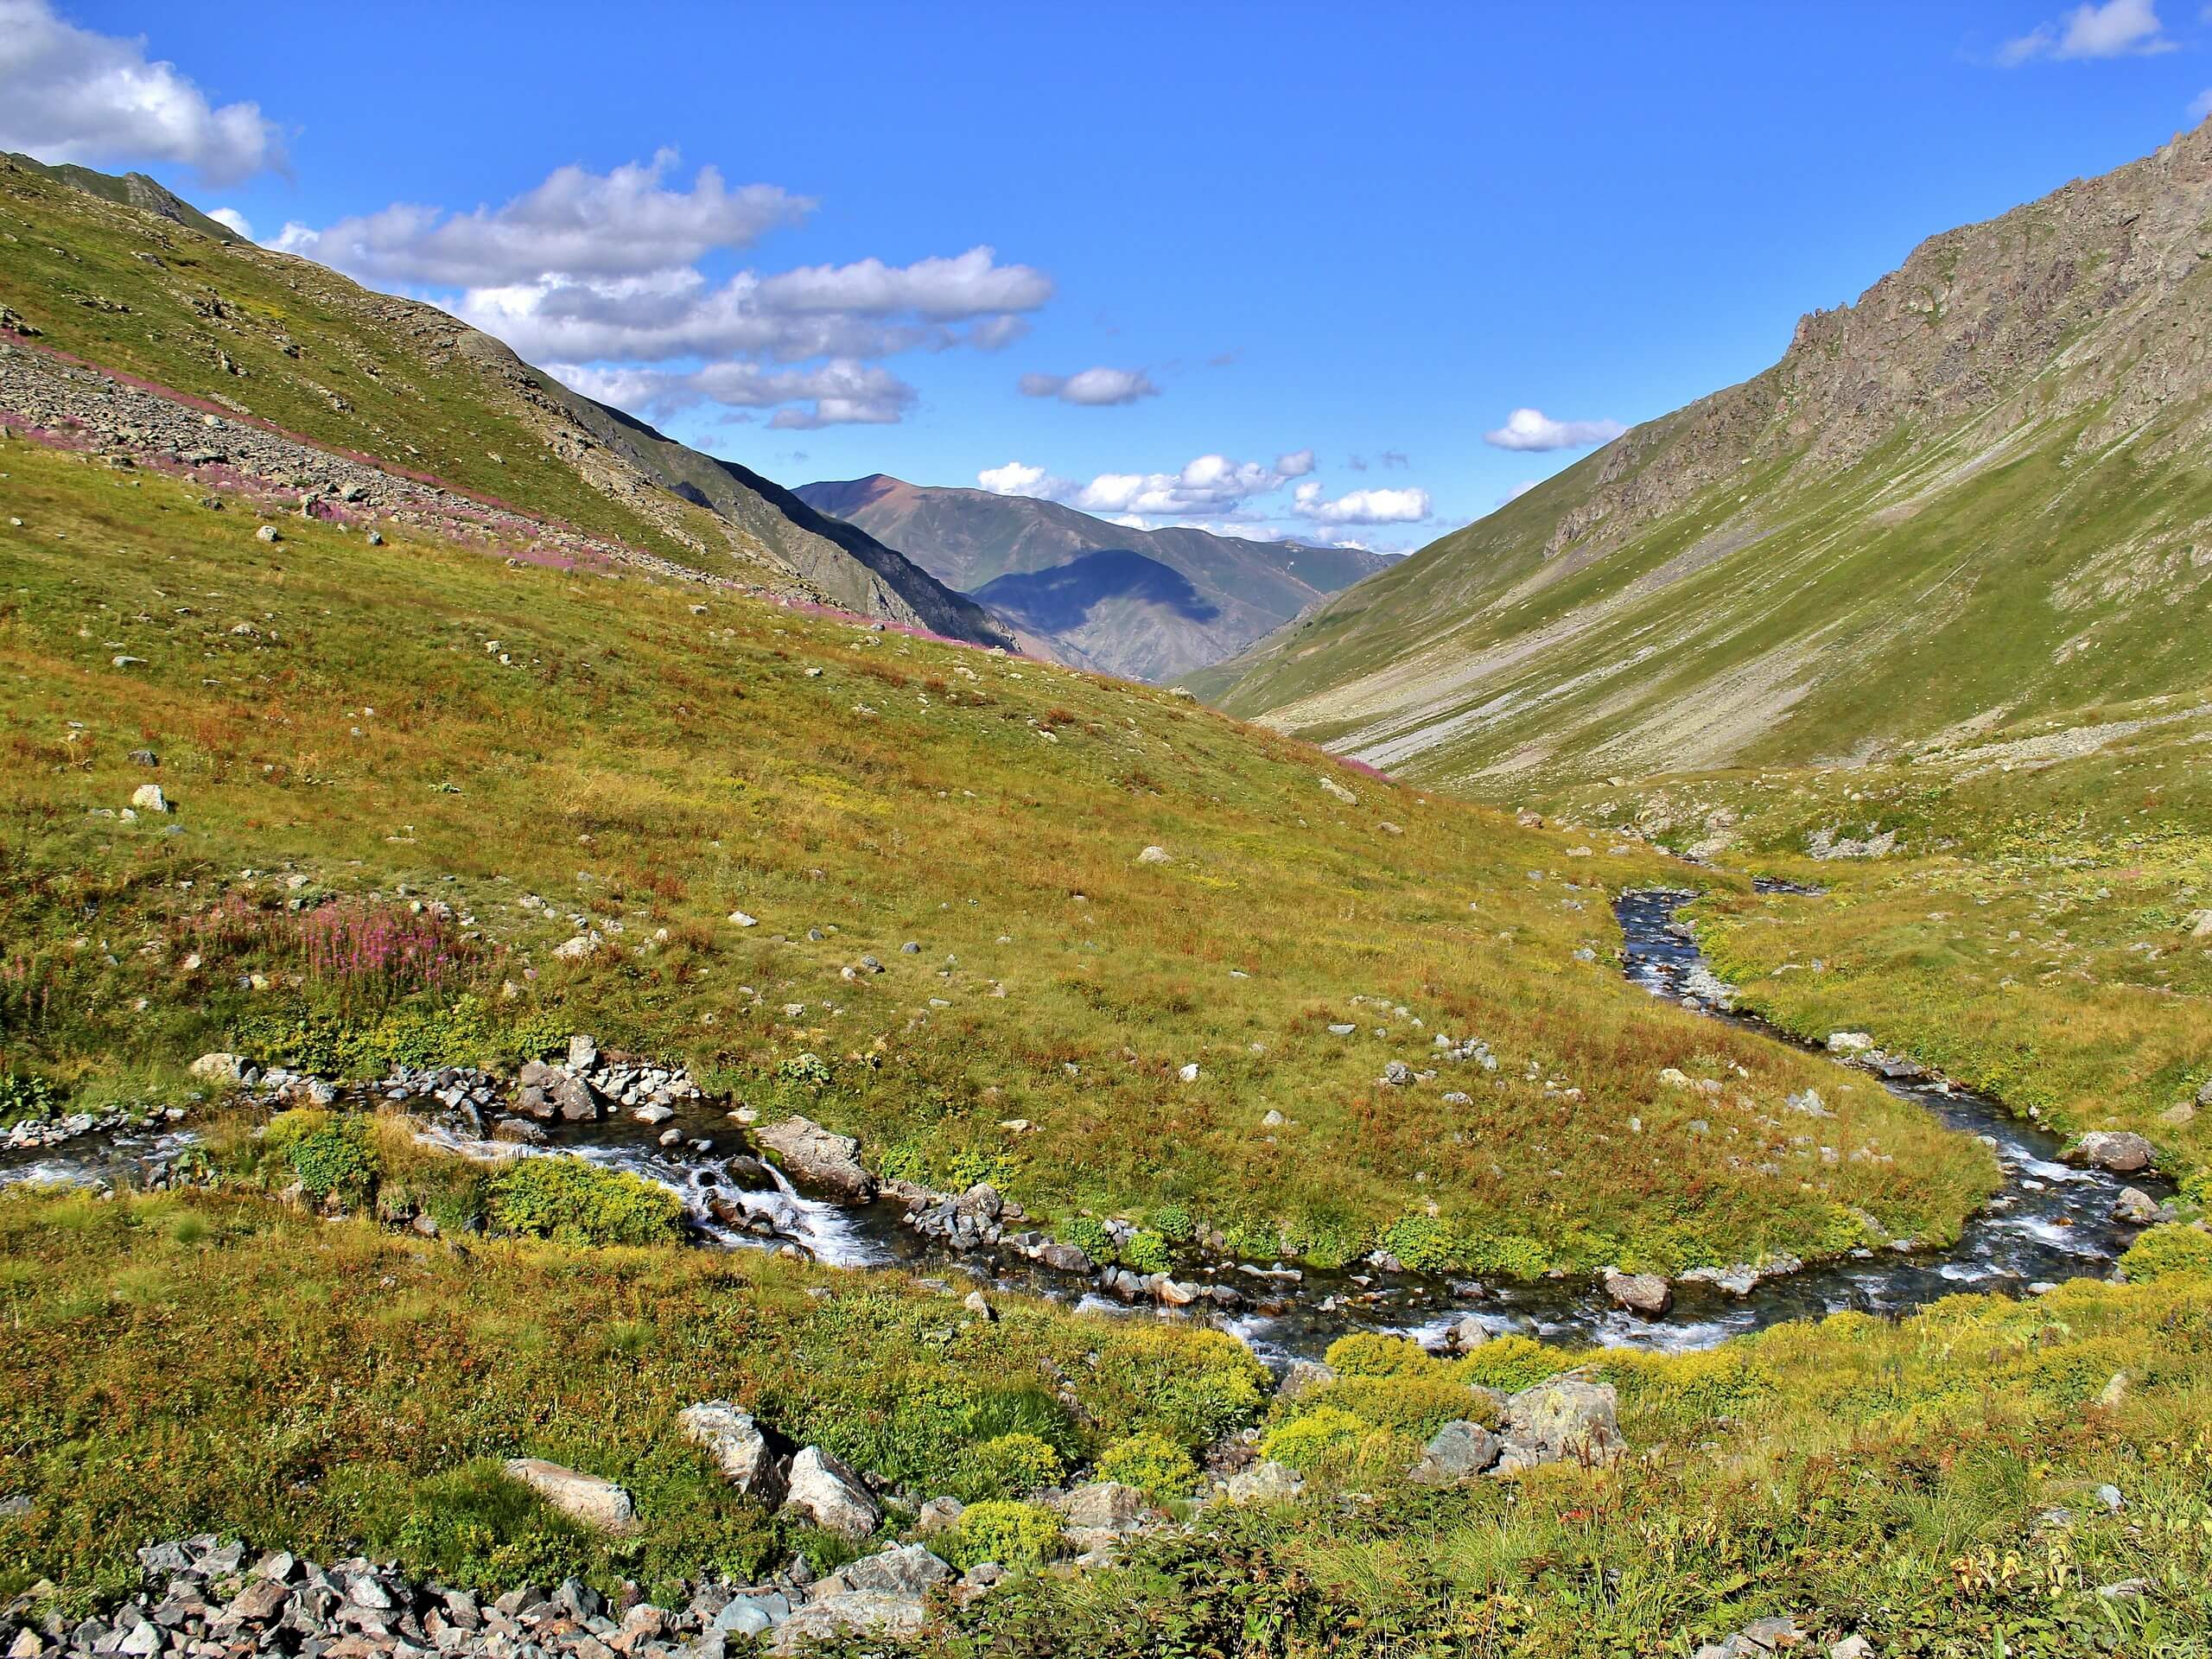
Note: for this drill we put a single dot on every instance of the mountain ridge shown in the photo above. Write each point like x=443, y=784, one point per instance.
x=972, y=539
x=121, y=273
x=1997, y=440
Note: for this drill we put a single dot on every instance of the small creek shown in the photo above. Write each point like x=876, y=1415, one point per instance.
x=2048, y=1222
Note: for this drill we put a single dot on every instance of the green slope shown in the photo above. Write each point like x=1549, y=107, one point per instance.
x=121, y=274
x=1980, y=494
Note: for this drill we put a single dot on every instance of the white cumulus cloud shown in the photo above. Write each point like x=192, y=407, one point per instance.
x=1533, y=429
x=2118, y=28
x=601, y=274
x=1207, y=486
x=1405, y=506
x=235, y=220
x=67, y=94
x=834, y=393
x=1015, y=478
x=578, y=223
x=1092, y=388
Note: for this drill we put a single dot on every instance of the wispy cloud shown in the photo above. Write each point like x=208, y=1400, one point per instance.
x=1099, y=388
x=2117, y=28
x=599, y=274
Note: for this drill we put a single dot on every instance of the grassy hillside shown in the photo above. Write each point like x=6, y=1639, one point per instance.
x=417, y=723
x=1977, y=496
x=2041, y=926
x=123, y=276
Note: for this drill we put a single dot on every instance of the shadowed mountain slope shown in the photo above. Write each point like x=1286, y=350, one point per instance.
x=970, y=538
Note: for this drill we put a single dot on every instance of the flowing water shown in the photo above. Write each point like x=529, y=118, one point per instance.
x=2048, y=1222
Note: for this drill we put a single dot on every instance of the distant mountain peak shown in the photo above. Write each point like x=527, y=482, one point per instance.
x=1150, y=604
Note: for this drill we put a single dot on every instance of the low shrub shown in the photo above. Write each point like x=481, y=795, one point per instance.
x=331, y=1156
x=1367, y=1353
x=2169, y=1253
x=1088, y=1234
x=1512, y=1364
x=24, y=1098
x=573, y=1201
x=1147, y=1252
x=1415, y=1403
x=1173, y=1222
x=1151, y=1462
x=1425, y=1243
x=1321, y=1435
x=1023, y=1536
x=1013, y=1465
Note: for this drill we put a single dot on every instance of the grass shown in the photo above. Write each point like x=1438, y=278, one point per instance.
x=421, y=770
x=227, y=1364
x=1895, y=1481
x=190, y=1362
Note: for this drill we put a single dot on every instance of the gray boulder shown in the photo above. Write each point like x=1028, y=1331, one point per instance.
x=2134, y=1207
x=2122, y=1152
x=1103, y=1506
x=1647, y=1294
x=816, y=1158
x=857, y=1612
x=829, y=1493
x=1561, y=1418
x=734, y=1441
x=596, y=1503
x=1268, y=1482
x=903, y=1570
x=1456, y=1452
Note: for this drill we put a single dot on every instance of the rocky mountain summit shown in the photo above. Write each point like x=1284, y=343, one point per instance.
x=1976, y=497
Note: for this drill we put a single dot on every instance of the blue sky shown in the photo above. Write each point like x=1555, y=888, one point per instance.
x=1282, y=267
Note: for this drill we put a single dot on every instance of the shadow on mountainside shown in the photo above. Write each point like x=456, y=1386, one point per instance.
x=1061, y=598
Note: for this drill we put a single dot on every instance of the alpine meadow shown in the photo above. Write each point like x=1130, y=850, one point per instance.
x=1298, y=1022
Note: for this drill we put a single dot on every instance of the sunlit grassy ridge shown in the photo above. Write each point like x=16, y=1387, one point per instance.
x=2035, y=933
x=1976, y=493
x=345, y=721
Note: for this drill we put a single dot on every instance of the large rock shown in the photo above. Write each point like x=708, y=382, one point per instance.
x=2134, y=1207
x=547, y=1092
x=829, y=1493
x=1561, y=1418
x=596, y=1503
x=1640, y=1293
x=827, y=1618
x=734, y=1441
x=903, y=1570
x=1304, y=1376
x=816, y=1158
x=1103, y=1505
x=1456, y=1452
x=1263, y=1483
x=225, y=1071
x=2121, y=1151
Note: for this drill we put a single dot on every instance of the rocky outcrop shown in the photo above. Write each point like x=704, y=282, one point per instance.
x=2120, y=1152
x=737, y=1445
